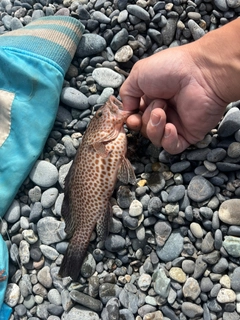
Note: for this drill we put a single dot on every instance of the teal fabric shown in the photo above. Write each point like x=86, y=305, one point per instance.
x=5, y=310
x=33, y=64
x=36, y=84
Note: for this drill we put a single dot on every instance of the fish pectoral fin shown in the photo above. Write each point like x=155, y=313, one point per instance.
x=103, y=223
x=100, y=148
x=126, y=172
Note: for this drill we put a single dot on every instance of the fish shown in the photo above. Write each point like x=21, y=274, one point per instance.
x=90, y=182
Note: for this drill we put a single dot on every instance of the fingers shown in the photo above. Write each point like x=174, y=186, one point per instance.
x=171, y=141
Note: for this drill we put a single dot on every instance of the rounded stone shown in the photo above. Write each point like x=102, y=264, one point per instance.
x=74, y=98
x=49, y=197
x=90, y=44
x=124, y=54
x=191, y=289
x=136, y=208
x=196, y=230
x=226, y=296
x=13, y=213
x=106, y=77
x=172, y=247
x=144, y=281
x=229, y=212
x=44, y=174
x=177, y=274
x=191, y=310
x=200, y=189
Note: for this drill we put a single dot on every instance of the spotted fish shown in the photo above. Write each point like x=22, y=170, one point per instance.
x=100, y=160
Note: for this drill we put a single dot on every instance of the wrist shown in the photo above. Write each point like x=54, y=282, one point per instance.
x=218, y=56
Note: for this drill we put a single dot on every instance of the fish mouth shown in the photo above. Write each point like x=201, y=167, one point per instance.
x=125, y=113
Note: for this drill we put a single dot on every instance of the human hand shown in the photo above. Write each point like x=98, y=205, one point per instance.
x=178, y=93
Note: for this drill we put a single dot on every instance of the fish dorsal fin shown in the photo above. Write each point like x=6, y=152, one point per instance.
x=126, y=173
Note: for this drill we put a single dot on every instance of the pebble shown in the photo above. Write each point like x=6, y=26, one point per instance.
x=114, y=243
x=138, y=12
x=196, y=31
x=230, y=124
x=119, y=39
x=226, y=296
x=191, y=289
x=90, y=44
x=13, y=213
x=191, y=310
x=196, y=230
x=144, y=281
x=44, y=277
x=228, y=212
x=79, y=312
x=177, y=274
x=200, y=189
x=172, y=247
x=161, y=283
x=12, y=295
x=86, y=300
x=106, y=77
x=124, y=54
x=44, y=174
x=49, y=197
x=176, y=193
x=232, y=246
x=135, y=208
x=50, y=230
x=74, y=98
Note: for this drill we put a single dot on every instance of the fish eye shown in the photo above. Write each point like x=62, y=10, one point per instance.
x=99, y=114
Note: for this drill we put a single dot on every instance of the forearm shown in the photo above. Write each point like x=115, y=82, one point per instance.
x=218, y=56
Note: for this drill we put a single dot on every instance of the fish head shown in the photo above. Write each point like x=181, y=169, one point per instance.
x=113, y=111
x=107, y=122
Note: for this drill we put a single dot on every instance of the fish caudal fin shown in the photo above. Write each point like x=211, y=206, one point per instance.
x=74, y=257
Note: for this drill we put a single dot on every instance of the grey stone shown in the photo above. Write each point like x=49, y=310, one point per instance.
x=232, y=246
x=161, y=283
x=114, y=243
x=138, y=12
x=172, y=247
x=90, y=44
x=106, y=77
x=49, y=197
x=86, y=300
x=196, y=31
x=44, y=174
x=129, y=300
x=74, y=98
x=13, y=213
x=79, y=312
x=176, y=193
x=168, y=31
x=44, y=277
x=50, y=230
x=200, y=189
x=229, y=212
x=231, y=122
x=191, y=310
x=12, y=295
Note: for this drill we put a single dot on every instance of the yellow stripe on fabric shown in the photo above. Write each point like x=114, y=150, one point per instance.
x=63, y=23
x=50, y=35
x=6, y=100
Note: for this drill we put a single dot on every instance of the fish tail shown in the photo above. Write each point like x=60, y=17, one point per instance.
x=73, y=258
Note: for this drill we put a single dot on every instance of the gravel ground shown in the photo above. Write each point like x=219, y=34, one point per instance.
x=174, y=246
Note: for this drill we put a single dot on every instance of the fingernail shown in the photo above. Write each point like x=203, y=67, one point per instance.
x=155, y=119
x=167, y=132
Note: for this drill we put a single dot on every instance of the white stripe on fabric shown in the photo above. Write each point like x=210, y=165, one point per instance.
x=6, y=100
